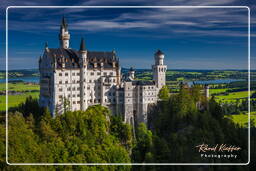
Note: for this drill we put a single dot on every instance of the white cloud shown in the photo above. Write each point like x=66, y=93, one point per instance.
x=103, y=25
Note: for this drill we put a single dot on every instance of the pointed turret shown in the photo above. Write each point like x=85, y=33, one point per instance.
x=82, y=45
x=64, y=35
x=83, y=51
x=46, y=45
x=64, y=23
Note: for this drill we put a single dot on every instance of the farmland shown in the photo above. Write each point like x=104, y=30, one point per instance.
x=228, y=93
x=18, y=92
x=242, y=119
x=232, y=96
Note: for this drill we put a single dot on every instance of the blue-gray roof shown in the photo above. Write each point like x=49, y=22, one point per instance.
x=71, y=58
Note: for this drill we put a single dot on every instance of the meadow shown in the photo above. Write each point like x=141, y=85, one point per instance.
x=19, y=91
x=22, y=90
x=242, y=119
x=231, y=96
x=19, y=87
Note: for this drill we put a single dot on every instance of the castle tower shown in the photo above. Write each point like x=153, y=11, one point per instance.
x=132, y=73
x=64, y=35
x=159, y=69
x=83, y=71
x=206, y=91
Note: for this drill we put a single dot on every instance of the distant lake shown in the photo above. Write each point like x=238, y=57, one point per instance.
x=221, y=81
x=24, y=79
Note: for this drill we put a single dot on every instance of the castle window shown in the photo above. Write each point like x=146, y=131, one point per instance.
x=73, y=88
x=69, y=88
x=60, y=82
x=74, y=102
x=105, y=73
x=78, y=88
x=77, y=81
x=60, y=89
x=77, y=74
x=73, y=74
x=78, y=95
x=73, y=95
x=90, y=81
x=94, y=100
x=60, y=96
x=92, y=73
x=66, y=74
x=111, y=73
x=78, y=102
x=98, y=73
x=66, y=82
x=60, y=74
x=88, y=88
x=114, y=80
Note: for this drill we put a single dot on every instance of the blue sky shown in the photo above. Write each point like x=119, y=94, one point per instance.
x=190, y=38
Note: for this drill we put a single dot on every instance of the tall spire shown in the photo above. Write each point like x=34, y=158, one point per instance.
x=64, y=35
x=82, y=45
x=46, y=45
x=64, y=23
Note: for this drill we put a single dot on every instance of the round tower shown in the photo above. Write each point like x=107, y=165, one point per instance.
x=83, y=72
x=206, y=91
x=64, y=35
x=159, y=58
x=159, y=69
x=132, y=73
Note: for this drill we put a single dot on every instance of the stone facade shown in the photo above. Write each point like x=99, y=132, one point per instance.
x=75, y=79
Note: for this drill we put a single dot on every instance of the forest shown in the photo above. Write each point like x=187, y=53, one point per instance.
x=176, y=125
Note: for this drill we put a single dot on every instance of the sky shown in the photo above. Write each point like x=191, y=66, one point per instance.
x=190, y=38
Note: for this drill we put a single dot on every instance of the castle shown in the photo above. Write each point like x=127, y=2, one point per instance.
x=75, y=79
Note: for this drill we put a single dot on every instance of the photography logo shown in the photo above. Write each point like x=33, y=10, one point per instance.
x=218, y=151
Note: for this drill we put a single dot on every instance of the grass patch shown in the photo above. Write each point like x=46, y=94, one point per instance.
x=242, y=119
x=219, y=90
x=19, y=86
x=15, y=100
x=233, y=96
